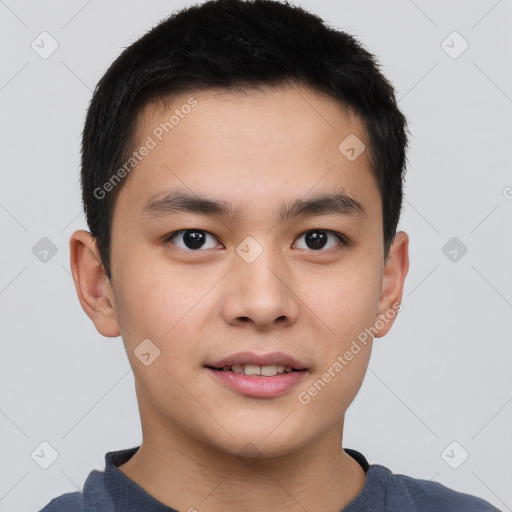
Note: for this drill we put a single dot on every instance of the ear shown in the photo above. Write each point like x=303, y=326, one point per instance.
x=92, y=285
x=395, y=270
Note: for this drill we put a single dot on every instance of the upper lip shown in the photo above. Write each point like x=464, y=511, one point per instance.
x=270, y=359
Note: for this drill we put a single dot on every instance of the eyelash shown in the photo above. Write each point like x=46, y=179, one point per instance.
x=342, y=239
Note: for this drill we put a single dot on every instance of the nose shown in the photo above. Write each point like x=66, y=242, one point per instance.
x=260, y=293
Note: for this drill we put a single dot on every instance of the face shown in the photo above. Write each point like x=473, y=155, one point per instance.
x=281, y=270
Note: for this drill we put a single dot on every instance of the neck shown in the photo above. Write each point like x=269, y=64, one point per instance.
x=183, y=474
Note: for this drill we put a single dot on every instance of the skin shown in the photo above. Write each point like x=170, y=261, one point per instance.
x=255, y=151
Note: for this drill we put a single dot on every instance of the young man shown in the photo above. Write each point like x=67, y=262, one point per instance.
x=242, y=176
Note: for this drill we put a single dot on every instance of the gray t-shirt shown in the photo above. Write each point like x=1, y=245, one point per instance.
x=112, y=491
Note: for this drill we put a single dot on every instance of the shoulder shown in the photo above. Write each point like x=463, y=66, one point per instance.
x=94, y=498
x=406, y=493
x=70, y=501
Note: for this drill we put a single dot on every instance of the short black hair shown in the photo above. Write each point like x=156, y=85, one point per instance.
x=237, y=45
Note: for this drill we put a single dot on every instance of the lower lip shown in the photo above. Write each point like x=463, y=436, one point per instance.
x=259, y=386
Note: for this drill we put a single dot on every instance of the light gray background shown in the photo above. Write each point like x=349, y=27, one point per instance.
x=443, y=374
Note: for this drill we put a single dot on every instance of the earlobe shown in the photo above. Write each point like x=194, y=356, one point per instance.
x=93, y=288
x=395, y=271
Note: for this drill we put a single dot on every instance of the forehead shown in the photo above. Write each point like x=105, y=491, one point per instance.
x=252, y=146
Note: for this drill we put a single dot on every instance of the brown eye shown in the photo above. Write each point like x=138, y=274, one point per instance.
x=318, y=239
x=192, y=239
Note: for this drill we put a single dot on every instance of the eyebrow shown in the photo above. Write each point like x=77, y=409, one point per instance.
x=337, y=203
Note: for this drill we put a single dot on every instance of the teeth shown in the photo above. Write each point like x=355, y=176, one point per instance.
x=269, y=371
x=251, y=369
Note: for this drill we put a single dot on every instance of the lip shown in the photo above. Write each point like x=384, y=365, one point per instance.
x=270, y=359
x=258, y=386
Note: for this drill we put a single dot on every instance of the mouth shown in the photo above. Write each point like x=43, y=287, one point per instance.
x=258, y=376
x=253, y=370
x=249, y=363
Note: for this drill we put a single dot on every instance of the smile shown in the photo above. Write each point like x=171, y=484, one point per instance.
x=252, y=369
x=258, y=381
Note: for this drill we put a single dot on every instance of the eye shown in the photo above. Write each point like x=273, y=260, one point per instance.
x=196, y=239
x=317, y=239
x=192, y=239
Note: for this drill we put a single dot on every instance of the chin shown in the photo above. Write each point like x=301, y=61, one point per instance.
x=261, y=440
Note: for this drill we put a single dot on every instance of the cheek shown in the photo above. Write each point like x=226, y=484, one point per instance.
x=344, y=349
x=344, y=303
x=168, y=307
x=153, y=299
x=155, y=307
x=343, y=307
